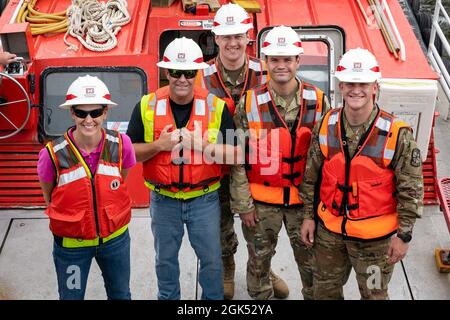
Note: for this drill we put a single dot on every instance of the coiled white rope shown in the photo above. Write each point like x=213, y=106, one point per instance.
x=96, y=24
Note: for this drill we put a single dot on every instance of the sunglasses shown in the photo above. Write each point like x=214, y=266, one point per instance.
x=93, y=113
x=188, y=74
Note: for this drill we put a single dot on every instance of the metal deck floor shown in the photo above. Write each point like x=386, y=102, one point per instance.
x=27, y=270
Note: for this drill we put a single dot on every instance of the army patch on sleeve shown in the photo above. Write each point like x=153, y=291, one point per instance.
x=416, y=160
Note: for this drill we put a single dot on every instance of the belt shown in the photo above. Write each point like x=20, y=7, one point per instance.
x=82, y=243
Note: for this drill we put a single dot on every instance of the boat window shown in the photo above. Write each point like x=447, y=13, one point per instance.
x=323, y=46
x=314, y=67
x=126, y=86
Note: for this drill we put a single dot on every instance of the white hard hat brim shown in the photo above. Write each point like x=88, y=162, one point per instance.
x=294, y=51
x=77, y=102
x=227, y=30
x=182, y=66
x=357, y=79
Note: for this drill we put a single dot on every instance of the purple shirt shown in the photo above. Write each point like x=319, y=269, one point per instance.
x=46, y=170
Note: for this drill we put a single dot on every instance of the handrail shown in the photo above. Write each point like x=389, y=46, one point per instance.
x=433, y=53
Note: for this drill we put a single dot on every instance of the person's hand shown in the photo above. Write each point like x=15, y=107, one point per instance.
x=397, y=250
x=193, y=140
x=7, y=58
x=168, y=140
x=307, y=232
x=249, y=219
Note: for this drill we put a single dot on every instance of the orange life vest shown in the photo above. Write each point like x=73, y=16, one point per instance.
x=211, y=80
x=187, y=173
x=83, y=205
x=277, y=157
x=358, y=194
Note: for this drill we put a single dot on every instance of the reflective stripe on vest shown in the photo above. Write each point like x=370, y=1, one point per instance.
x=147, y=114
x=205, y=105
x=72, y=176
x=370, y=211
x=275, y=180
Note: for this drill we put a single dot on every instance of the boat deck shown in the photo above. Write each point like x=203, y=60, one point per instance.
x=27, y=270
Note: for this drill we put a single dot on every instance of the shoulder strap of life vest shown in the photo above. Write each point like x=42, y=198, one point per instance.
x=112, y=148
x=329, y=124
x=257, y=109
x=312, y=102
x=392, y=138
x=148, y=103
x=257, y=73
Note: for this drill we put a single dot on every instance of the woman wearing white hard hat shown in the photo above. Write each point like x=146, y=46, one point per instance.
x=173, y=130
x=285, y=110
x=82, y=175
x=371, y=187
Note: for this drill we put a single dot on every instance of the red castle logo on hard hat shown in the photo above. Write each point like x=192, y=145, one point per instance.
x=281, y=41
x=90, y=92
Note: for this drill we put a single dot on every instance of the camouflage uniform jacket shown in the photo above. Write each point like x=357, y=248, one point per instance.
x=407, y=166
x=234, y=87
x=241, y=198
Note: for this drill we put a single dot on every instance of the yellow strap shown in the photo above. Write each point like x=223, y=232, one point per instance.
x=53, y=157
x=184, y=195
x=148, y=116
x=80, y=243
x=216, y=120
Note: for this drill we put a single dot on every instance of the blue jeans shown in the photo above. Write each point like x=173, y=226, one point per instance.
x=202, y=218
x=73, y=264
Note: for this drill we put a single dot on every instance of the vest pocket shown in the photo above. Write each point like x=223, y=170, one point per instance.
x=67, y=223
x=374, y=198
x=330, y=194
x=116, y=216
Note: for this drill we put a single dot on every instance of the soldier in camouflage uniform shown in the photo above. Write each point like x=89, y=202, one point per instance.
x=291, y=107
x=228, y=77
x=361, y=207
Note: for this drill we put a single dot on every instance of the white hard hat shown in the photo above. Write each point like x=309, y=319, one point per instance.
x=87, y=90
x=231, y=19
x=358, y=65
x=183, y=54
x=282, y=41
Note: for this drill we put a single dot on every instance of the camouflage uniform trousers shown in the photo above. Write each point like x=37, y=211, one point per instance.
x=334, y=259
x=227, y=235
x=261, y=243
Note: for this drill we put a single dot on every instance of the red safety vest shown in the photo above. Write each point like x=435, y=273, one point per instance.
x=189, y=173
x=276, y=159
x=211, y=80
x=359, y=203
x=84, y=205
